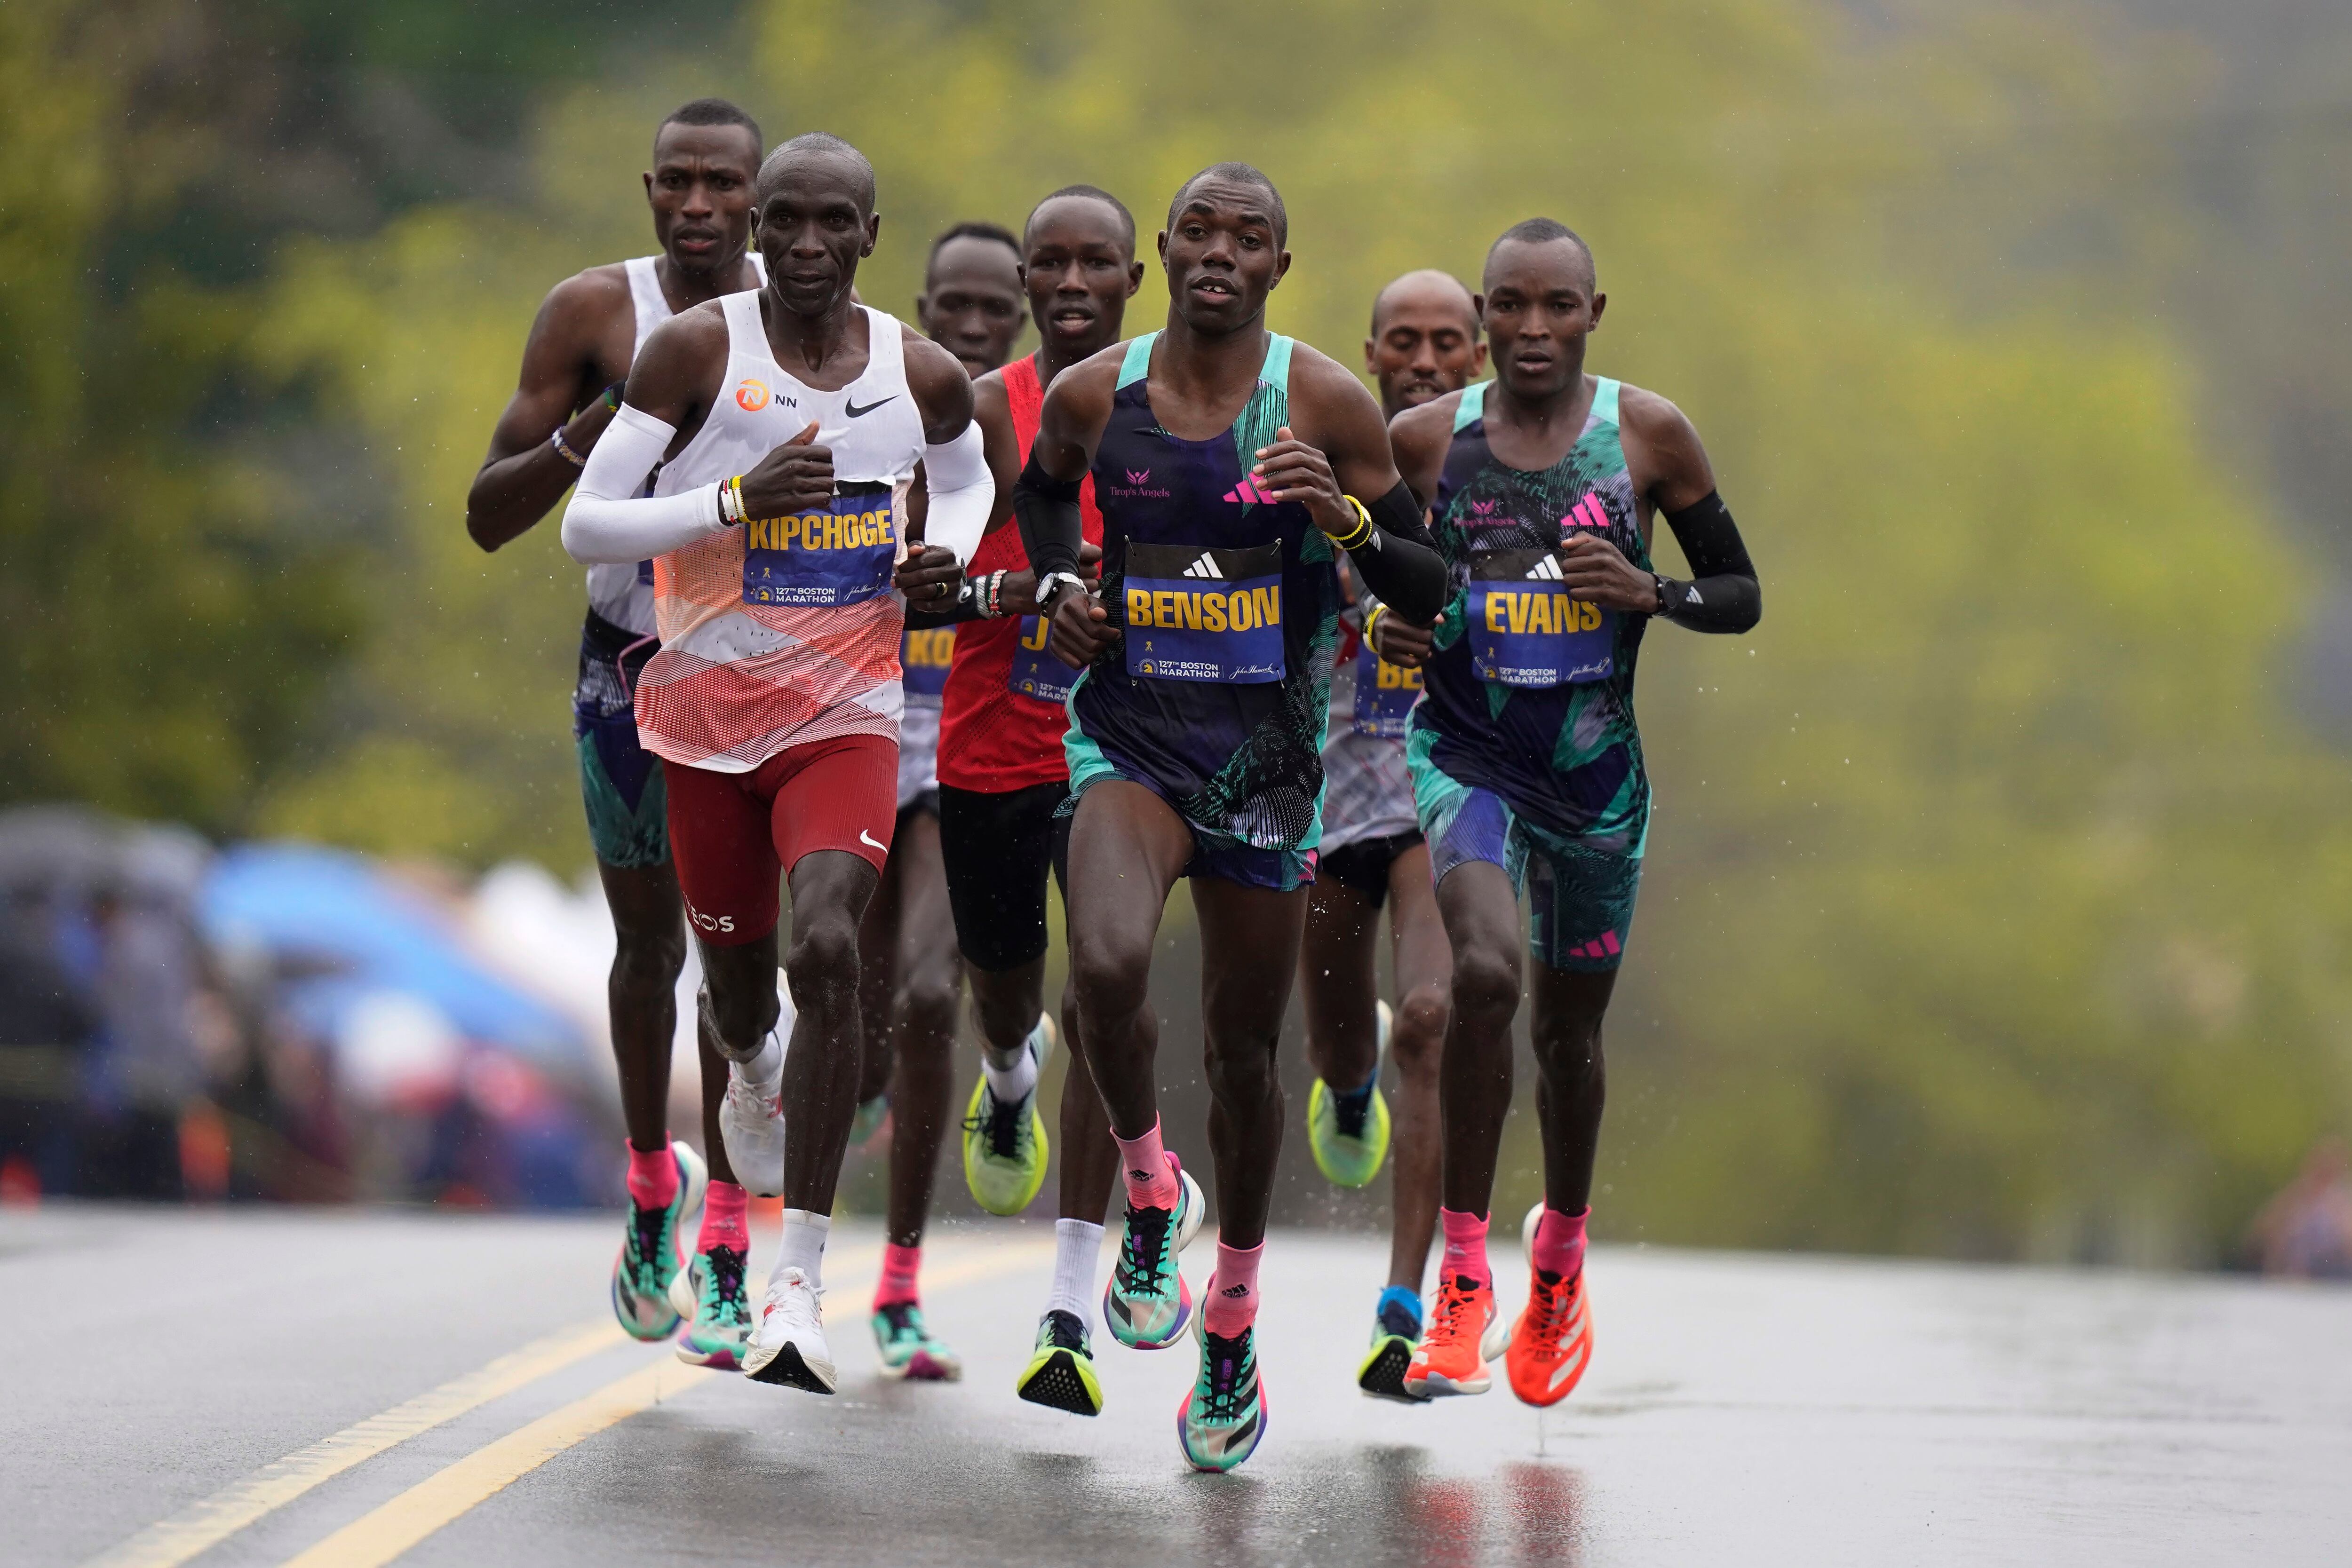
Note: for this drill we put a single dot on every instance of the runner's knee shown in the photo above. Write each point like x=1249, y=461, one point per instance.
x=1418, y=1031
x=823, y=959
x=647, y=960
x=1109, y=982
x=1486, y=982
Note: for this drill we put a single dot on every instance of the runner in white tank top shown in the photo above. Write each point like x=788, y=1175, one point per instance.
x=706, y=156
x=786, y=425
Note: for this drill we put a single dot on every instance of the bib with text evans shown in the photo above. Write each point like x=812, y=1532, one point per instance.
x=1204, y=614
x=1035, y=673
x=841, y=555
x=1524, y=630
x=1385, y=693
x=923, y=657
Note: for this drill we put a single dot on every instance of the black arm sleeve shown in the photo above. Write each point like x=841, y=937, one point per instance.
x=1048, y=511
x=1399, y=564
x=1726, y=596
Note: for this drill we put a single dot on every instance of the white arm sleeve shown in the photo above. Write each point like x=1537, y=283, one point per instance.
x=961, y=491
x=608, y=521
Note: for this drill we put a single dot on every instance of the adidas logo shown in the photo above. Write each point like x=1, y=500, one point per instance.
x=1586, y=514
x=1249, y=490
x=1604, y=946
x=1692, y=597
x=1548, y=568
x=1206, y=565
x=1234, y=1291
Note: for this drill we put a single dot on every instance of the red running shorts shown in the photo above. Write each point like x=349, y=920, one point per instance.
x=732, y=835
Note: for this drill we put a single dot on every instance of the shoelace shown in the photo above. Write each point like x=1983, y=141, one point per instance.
x=724, y=1280
x=1226, y=1370
x=1451, y=1320
x=1004, y=1126
x=649, y=1232
x=1067, y=1332
x=1146, y=1245
x=1548, y=1309
x=906, y=1319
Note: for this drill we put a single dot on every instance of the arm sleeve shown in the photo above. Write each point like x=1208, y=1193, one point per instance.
x=1724, y=595
x=608, y=521
x=1399, y=564
x=1051, y=527
x=961, y=491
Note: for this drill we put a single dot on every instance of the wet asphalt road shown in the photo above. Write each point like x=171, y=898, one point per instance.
x=1741, y=1408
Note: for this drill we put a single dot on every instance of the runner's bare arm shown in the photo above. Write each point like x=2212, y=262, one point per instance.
x=524, y=474
x=1070, y=428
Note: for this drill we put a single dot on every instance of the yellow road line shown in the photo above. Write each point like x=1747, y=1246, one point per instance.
x=171, y=1541
x=377, y=1537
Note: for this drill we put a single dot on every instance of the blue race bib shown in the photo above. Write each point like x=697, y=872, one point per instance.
x=1385, y=693
x=1035, y=674
x=841, y=555
x=1524, y=630
x=1204, y=614
x=924, y=657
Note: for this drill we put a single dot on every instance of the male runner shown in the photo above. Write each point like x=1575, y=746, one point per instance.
x=1196, y=729
x=1526, y=764
x=1003, y=780
x=973, y=305
x=589, y=330
x=786, y=423
x=1424, y=342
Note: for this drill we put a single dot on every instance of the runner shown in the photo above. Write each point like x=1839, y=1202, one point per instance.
x=1002, y=780
x=971, y=305
x=1196, y=728
x=787, y=424
x=579, y=351
x=1424, y=342
x=1526, y=764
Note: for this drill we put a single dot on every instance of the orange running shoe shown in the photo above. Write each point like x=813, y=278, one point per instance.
x=1551, y=1343
x=1450, y=1358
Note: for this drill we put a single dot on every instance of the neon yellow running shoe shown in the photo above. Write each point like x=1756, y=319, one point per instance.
x=1350, y=1133
x=1005, y=1147
x=1061, y=1374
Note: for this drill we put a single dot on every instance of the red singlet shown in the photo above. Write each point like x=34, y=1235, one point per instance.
x=991, y=738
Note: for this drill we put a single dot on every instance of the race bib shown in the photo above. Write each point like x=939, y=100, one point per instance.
x=1524, y=630
x=1035, y=674
x=924, y=657
x=1385, y=693
x=1204, y=614
x=840, y=555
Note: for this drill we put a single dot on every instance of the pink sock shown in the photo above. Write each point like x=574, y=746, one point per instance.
x=1465, y=1247
x=900, y=1266
x=1231, y=1304
x=1150, y=1175
x=722, y=1219
x=1560, y=1240
x=653, y=1177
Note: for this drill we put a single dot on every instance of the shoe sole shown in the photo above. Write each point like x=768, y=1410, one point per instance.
x=1059, y=1383
x=1435, y=1387
x=924, y=1367
x=712, y=1360
x=1317, y=1098
x=787, y=1370
x=1382, y=1374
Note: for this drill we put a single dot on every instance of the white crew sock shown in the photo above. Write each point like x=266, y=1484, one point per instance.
x=803, y=1246
x=1013, y=1084
x=1078, y=1244
x=765, y=1071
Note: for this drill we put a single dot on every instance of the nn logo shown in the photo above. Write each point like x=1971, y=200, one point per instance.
x=1248, y=491
x=751, y=396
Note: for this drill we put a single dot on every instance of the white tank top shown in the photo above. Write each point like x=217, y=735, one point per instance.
x=784, y=632
x=622, y=592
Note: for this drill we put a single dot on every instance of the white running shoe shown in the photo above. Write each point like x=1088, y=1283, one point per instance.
x=787, y=1346
x=752, y=1126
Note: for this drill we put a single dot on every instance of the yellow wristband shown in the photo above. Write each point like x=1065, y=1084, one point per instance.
x=1372, y=620
x=1361, y=532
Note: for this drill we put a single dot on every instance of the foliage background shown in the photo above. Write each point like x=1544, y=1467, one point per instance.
x=2001, y=891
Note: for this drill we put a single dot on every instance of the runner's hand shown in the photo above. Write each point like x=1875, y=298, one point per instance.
x=929, y=577
x=1290, y=470
x=1081, y=630
x=795, y=478
x=1401, y=643
x=1018, y=594
x=1598, y=572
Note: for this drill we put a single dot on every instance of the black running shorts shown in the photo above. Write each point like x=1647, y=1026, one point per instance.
x=996, y=848
x=1364, y=864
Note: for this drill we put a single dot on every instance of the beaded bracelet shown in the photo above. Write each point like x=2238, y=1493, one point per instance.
x=565, y=452
x=613, y=396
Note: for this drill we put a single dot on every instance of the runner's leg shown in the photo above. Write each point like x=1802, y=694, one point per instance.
x=878, y=957
x=922, y=1020
x=1248, y=939
x=1424, y=975
x=1339, y=984
x=1128, y=847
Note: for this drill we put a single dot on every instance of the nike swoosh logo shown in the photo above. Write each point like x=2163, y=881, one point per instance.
x=851, y=408
x=866, y=838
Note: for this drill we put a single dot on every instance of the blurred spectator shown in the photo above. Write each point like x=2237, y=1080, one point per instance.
x=2305, y=1232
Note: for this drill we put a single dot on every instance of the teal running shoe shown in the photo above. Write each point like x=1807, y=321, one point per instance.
x=652, y=1250
x=1220, y=1422
x=709, y=1295
x=1005, y=1148
x=1349, y=1133
x=868, y=1120
x=1061, y=1374
x=1396, y=1329
x=908, y=1349
x=1147, y=1302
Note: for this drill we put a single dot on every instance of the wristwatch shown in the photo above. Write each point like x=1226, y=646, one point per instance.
x=1050, y=590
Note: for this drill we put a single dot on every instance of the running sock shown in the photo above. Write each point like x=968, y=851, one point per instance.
x=900, y=1266
x=1078, y=1244
x=1150, y=1183
x=1231, y=1305
x=765, y=1071
x=723, y=1205
x=1465, y=1247
x=1013, y=1084
x=1560, y=1240
x=803, y=1245
x=653, y=1177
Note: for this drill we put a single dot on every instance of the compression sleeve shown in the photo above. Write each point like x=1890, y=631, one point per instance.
x=608, y=521
x=960, y=489
x=1724, y=595
x=1399, y=564
x=1051, y=526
